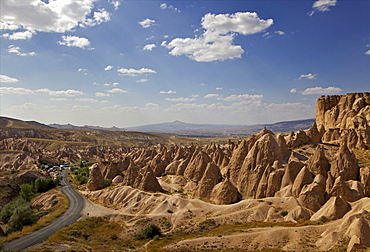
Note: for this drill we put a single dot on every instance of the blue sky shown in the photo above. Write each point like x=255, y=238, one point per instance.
x=128, y=63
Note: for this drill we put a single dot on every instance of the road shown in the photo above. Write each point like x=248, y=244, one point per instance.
x=76, y=204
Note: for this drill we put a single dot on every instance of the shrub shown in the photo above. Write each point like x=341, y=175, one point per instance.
x=7, y=211
x=149, y=232
x=324, y=219
x=284, y=213
x=27, y=192
x=107, y=182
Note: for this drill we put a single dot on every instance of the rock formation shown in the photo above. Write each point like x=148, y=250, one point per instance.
x=96, y=180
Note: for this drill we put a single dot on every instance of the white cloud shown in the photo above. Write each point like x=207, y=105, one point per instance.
x=216, y=43
x=75, y=41
x=323, y=5
x=115, y=3
x=16, y=91
x=100, y=94
x=293, y=90
x=242, y=97
x=19, y=35
x=211, y=96
x=142, y=80
x=117, y=91
x=99, y=17
x=107, y=68
x=67, y=93
x=280, y=33
x=85, y=100
x=48, y=16
x=16, y=50
x=146, y=23
x=219, y=88
x=309, y=76
x=7, y=79
x=168, y=92
x=368, y=52
x=58, y=99
x=82, y=70
x=165, y=6
x=26, y=106
x=149, y=47
x=133, y=72
x=114, y=84
x=182, y=99
x=321, y=91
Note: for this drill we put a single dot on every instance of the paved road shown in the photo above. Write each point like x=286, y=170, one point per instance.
x=76, y=204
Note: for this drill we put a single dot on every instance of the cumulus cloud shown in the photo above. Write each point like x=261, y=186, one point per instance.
x=7, y=79
x=48, y=16
x=181, y=99
x=321, y=91
x=19, y=35
x=107, y=68
x=82, y=70
x=117, y=91
x=75, y=41
x=58, y=99
x=133, y=72
x=115, y=3
x=146, y=23
x=99, y=17
x=15, y=91
x=216, y=43
x=309, y=76
x=293, y=90
x=368, y=52
x=142, y=80
x=149, y=47
x=168, y=92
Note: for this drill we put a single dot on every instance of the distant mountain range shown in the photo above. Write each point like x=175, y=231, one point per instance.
x=202, y=130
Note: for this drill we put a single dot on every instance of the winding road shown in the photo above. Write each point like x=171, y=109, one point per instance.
x=76, y=204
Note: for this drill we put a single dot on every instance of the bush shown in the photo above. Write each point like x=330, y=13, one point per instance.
x=27, y=192
x=324, y=219
x=107, y=182
x=7, y=211
x=149, y=232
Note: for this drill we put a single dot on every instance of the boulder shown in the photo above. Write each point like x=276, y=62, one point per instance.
x=225, y=193
x=117, y=179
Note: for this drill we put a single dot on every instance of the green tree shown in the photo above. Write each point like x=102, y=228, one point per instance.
x=8, y=210
x=27, y=192
x=149, y=232
x=43, y=185
x=22, y=216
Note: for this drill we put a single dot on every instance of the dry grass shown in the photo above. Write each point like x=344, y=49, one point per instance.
x=157, y=245
x=363, y=157
x=57, y=210
x=92, y=234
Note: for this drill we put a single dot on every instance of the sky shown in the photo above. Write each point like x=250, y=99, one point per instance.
x=128, y=63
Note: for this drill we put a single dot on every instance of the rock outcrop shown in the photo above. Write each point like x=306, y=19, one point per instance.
x=96, y=180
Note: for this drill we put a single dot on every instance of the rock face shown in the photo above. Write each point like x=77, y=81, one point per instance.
x=345, y=164
x=350, y=111
x=96, y=180
x=335, y=208
x=225, y=193
x=210, y=178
